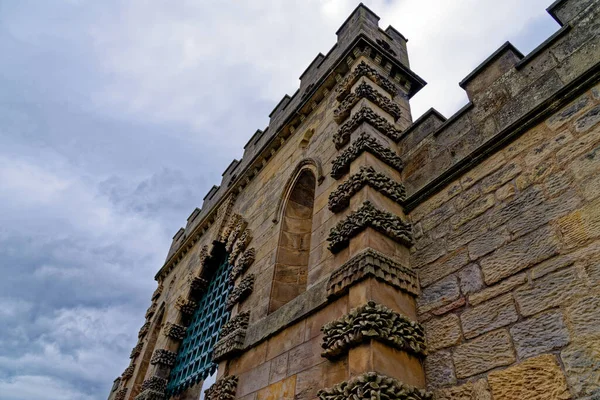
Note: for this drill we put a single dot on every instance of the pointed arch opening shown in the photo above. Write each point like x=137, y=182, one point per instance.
x=293, y=250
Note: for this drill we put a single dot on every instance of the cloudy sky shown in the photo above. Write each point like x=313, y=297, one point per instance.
x=116, y=117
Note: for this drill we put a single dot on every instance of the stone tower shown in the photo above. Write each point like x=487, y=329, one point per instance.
x=355, y=254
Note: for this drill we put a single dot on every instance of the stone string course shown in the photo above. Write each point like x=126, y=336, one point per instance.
x=240, y=292
x=339, y=199
x=163, y=357
x=365, y=91
x=365, y=114
x=242, y=264
x=373, y=386
x=363, y=69
x=223, y=389
x=365, y=142
x=372, y=263
x=368, y=216
x=372, y=322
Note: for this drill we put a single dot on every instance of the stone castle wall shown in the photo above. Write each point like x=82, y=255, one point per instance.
x=477, y=235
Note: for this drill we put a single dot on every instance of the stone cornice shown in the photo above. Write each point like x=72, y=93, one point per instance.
x=223, y=389
x=373, y=385
x=371, y=263
x=339, y=199
x=366, y=91
x=365, y=114
x=364, y=69
x=367, y=216
x=372, y=322
x=365, y=142
x=240, y=292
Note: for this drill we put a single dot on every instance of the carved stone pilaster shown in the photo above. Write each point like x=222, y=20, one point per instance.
x=223, y=389
x=365, y=114
x=339, y=199
x=136, y=350
x=155, y=383
x=120, y=395
x=364, y=69
x=372, y=322
x=231, y=337
x=240, y=245
x=242, y=264
x=371, y=263
x=241, y=292
x=365, y=91
x=186, y=306
x=163, y=357
x=365, y=142
x=371, y=386
x=144, y=330
x=174, y=331
x=367, y=216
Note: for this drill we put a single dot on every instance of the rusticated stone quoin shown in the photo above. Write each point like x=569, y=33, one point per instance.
x=363, y=69
x=242, y=264
x=365, y=114
x=241, y=292
x=186, y=306
x=136, y=350
x=365, y=142
x=372, y=322
x=223, y=389
x=231, y=337
x=339, y=199
x=144, y=330
x=366, y=91
x=368, y=216
x=174, y=331
x=163, y=357
x=372, y=386
x=372, y=263
x=155, y=383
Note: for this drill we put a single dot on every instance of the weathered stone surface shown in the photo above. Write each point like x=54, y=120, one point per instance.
x=366, y=91
x=478, y=390
x=373, y=386
x=470, y=279
x=584, y=317
x=442, y=332
x=488, y=242
x=550, y=291
x=223, y=389
x=582, y=367
x=439, y=370
x=489, y=351
x=439, y=294
x=500, y=177
x=443, y=267
x=538, y=378
x=365, y=114
x=588, y=120
x=488, y=316
x=473, y=210
x=539, y=334
x=496, y=290
x=519, y=254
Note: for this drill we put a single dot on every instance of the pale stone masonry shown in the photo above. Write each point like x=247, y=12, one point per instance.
x=363, y=255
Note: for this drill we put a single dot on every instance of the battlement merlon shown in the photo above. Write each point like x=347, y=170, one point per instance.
x=360, y=30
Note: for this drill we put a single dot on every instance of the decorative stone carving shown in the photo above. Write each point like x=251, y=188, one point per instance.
x=240, y=245
x=241, y=292
x=367, y=216
x=231, y=337
x=203, y=256
x=186, y=306
x=120, y=395
x=363, y=69
x=233, y=221
x=155, y=383
x=136, y=350
x=365, y=142
x=144, y=330
x=342, y=136
x=223, y=389
x=242, y=264
x=339, y=199
x=372, y=321
x=386, y=46
x=157, y=292
x=238, y=226
x=372, y=263
x=128, y=373
x=197, y=284
x=151, y=310
x=371, y=386
x=174, y=331
x=163, y=357
x=365, y=91
x=151, y=395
